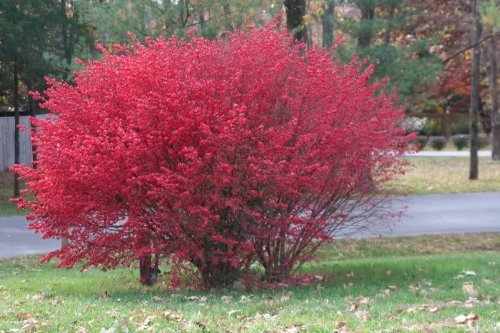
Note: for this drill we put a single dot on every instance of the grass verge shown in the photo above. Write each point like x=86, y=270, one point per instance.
x=6, y=192
x=433, y=175
x=386, y=285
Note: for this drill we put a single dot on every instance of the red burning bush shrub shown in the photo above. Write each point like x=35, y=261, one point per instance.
x=219, y=153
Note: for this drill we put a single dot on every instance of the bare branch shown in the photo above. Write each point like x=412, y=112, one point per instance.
x=459, y=52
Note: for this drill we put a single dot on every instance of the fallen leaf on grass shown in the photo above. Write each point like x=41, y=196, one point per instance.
x=387, y=292
x=468, y=288
x=149, y=320
x=29, y=325
x=341, y=327
x=269, y=300
x=359, y=301
x=82, y=329
x=364, y=300
x=424, y=307
x=38, y=297
x=463, y=319
x=267, y=316
x=431, y=327
x=430, y=308
x=363, y=316
x=172, y=316
x=157, y=299
x=227, y=299
x=487, y=281
x=471, y=302
x=294, y=329
x=245, y=299
x=286, y=296
x=232, y=312
x=24, y=316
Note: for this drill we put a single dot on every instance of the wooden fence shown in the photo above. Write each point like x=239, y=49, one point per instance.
x=7, y=141
x=444, y=120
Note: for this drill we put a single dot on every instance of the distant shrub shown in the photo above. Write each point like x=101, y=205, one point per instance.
x=482, y=141
x=437, y=142
x=432, y=127
x=458, y=128
x=413, y=124
x=421, y=140
x=460, y=141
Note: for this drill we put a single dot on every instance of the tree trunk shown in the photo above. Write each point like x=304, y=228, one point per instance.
x=31, y=106
x=474, y=100
x=495, y=117
x=182, y=13
x=295, y=11
x=328, y=18
x=388, y=31
x=222, y=275
x=145, y=269
x=365, y=33
x=16, y=124
x=227, y=12
x=64, y=30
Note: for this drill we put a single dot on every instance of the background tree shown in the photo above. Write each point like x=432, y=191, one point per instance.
x=490, y=14
x=474, y=101
x=295, y=12
x=328, y=21
x=112, y=19
x=384, y=32
x=37, y=38
x=23, y=38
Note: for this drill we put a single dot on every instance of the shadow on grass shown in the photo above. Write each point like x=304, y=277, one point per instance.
x=357, y=277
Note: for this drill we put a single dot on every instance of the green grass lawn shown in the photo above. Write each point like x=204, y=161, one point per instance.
x=374, y=285
x=6, y=192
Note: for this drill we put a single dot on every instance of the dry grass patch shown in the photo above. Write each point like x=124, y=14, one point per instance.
x=431, y=175
x=409, y=246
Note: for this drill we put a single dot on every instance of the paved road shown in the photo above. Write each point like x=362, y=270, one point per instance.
x=427, y=214
x=446, y=213
x=16, y=239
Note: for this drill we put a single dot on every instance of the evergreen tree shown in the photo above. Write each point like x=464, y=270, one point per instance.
x=33, y=33
x=383, y=33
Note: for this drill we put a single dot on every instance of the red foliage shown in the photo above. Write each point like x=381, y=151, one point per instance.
x=218, y=153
